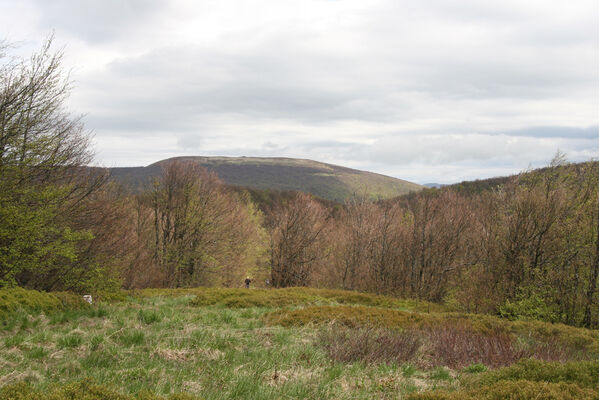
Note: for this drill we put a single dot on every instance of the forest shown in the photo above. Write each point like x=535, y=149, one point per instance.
x=527, y=248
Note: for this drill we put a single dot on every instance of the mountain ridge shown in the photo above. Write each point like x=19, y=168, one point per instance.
x=329, y=181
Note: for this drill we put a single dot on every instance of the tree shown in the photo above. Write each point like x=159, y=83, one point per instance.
x=296, y=240
x=202, y=233
x=42, y=150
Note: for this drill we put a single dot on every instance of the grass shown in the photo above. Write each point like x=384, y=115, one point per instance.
x=162, y=344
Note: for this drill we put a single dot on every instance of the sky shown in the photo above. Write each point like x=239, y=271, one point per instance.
x=428, y=91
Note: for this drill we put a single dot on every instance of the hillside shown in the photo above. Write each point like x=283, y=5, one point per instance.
x=328, y=181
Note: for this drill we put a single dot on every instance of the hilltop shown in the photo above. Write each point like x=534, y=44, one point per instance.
x=331, y=182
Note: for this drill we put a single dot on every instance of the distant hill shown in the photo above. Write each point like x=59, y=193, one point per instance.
x=331, y=182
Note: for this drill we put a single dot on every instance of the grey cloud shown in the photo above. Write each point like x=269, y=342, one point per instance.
x=96, y=20
x=490, y=150
x=175, y=88
x=556, y=132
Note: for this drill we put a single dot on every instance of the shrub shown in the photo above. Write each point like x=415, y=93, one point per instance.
x=243, y=298
x=520, y=390
x=369, y=345
x=17, y=300
x=457, y=347
x=529, y=307
x=582, y=373
x=348, y=316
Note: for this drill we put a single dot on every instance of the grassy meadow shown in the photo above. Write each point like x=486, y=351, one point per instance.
x=281, y=344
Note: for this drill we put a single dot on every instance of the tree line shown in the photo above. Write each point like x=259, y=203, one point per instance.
x=525, y=248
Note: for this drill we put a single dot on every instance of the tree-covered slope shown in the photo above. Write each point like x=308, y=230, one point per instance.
x=328, y=181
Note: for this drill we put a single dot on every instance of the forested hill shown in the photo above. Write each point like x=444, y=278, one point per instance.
x=328, y=181
x=482, y=185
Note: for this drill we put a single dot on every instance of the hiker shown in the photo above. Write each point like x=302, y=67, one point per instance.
x=247, y=282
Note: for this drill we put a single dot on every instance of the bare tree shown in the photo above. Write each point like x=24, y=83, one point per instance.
x=296, y=236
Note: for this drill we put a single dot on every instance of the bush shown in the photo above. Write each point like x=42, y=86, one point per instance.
x=369, y=345
x=457, y=347
x=243, y=298
x=81, y=390
x=529, y=307
x=516, y=390
x=582, y=373
x=17, y=300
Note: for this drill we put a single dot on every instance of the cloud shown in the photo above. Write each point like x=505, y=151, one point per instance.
x=95, y=21
x=566, y=132
x=395, y=86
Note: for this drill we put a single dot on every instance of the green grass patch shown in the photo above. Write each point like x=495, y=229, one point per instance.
x=69, y=341
x=149, y=316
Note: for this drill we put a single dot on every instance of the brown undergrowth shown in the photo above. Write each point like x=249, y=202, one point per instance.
x=448, y=346
x=458, y=339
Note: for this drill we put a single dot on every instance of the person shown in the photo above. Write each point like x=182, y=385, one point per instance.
x=247, y=282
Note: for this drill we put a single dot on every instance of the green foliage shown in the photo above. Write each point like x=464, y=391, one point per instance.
x=43, y=185
x=529, y=307
x=33, y=241
x=17, y=300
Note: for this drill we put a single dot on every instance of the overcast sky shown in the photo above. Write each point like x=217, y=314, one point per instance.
x=429, y=91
